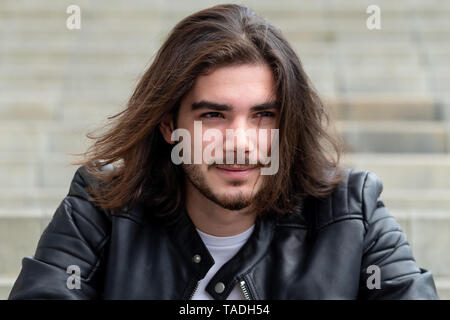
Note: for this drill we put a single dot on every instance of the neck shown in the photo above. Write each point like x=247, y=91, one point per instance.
x=211, y=218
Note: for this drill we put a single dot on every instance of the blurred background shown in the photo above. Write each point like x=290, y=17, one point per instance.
x=388, y=89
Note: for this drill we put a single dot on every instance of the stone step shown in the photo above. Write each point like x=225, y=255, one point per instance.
x=362, y=34
x=415, y=84
x=439, y=72
x=76, y=68
x=23, y=69
x=441, y=84
x=435, y=35
x=92, y=58
x=130, y=45
x=364, y=60
x=382, y=84
x=38, y=137
x=381, y=72
x=135, y=29
x=443, y=287
x=349, y=8
x=394, y=136
x=70, y=74
x=411, y=171
x=47, y=9
x=20, y=235
x=80, y=51
x=89, y=94
x=383, y=107
x=119, y=8
x=22, y=50
x=53, y=106
x=139, y=9
x=293, y=21
x=31, y=170
x=299, y=35
x=129, y=21
x=141, y=23
x=352, y=47
x=341, y=25
x=429, y=239
x=416, y=199
x=319, y=65
x=173, y=13
x=437, y=51
x=47, y=41
x=94, y=83
x=63, y=59
x=23, y=199
x=409, y=21
x=6, y=284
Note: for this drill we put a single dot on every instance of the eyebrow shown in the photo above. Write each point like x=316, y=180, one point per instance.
x=224, y=107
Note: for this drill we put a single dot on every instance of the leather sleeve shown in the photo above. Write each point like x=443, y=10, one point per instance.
x=388, y=254
x=76, y=236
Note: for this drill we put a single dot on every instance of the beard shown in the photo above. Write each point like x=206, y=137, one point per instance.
x=231, y=202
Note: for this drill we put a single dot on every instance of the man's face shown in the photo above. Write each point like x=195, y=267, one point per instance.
x=238, y=98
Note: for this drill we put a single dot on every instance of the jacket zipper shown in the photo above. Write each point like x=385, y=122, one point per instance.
x=195, y=290
x=245, y=290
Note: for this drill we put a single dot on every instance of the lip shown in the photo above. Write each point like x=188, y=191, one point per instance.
x=235, y=171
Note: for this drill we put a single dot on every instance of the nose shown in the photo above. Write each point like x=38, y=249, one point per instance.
x=240, y=142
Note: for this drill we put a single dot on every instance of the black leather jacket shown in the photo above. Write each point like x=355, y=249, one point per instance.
x=323, y=251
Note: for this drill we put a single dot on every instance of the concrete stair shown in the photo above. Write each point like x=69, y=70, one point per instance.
x=388, y=90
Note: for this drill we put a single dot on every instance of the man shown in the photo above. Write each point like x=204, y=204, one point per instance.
x=150, y=216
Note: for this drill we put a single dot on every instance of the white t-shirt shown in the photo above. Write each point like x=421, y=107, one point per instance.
x=222, y=249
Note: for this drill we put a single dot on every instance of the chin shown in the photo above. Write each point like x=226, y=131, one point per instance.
x=226, y=194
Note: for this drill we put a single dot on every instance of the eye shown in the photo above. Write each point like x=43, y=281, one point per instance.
x=265, y=114
x=211, y=115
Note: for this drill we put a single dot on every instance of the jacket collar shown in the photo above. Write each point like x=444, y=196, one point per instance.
x=190, y=244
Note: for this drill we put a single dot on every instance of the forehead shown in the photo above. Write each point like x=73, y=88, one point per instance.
x=240, y=86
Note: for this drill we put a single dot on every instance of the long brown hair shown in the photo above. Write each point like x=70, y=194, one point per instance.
x=211, y=38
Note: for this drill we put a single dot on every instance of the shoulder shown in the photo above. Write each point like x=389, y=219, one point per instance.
x=82, y=179
x=355, y=197
x=79, y=202
x=79, y=193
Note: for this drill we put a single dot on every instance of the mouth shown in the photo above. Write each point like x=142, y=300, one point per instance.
x=236, y=171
